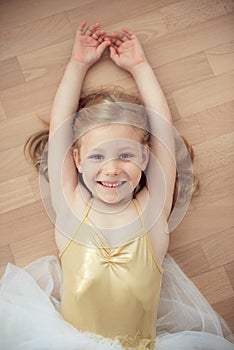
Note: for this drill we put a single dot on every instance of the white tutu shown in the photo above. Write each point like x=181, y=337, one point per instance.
x=30, y=318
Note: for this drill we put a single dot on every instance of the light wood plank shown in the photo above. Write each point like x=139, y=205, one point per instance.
x=20, y=12
x=219, y=251
x=191, y=259
x=43, y=111
x=181, y=73
x=229, y=268
x=187, y=42
x=205, y=95
x=225, y=309
x=215, y=153
x=6, y=255
x=10, y=73
x=14, y=192
x=217, y=121
x=203, y=222
x=47, y=60
x=10, y=135
x=2, y=112
x=215, y=185
x=194, y=134
x=214, y=285
x=34, y=180
x=35, y=247
x=13, y=160
x=187, y=13
x=23, y=223
x=229, y=5
x=26, y=98
x=117, y=13
x=147, y=27
x=34, y=35
x=221, y=58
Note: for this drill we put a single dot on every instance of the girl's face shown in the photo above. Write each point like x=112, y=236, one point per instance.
x=111, y=159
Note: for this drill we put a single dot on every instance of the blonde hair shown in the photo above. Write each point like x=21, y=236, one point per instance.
x=108, y=106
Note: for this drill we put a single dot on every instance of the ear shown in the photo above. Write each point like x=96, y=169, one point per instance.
x=145, y=156
x=76, y=157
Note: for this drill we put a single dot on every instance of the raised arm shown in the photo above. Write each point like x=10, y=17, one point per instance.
x=161, y=127
x=127, y=53
x=88, y=47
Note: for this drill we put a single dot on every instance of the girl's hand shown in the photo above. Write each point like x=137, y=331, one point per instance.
x=89, y=44
x=126, y=50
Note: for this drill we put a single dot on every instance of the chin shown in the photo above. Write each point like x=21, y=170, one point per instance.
x=112, y=198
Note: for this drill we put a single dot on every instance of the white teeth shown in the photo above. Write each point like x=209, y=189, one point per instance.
x=117, y=184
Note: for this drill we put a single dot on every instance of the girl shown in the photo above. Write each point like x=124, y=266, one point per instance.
x=112, y=174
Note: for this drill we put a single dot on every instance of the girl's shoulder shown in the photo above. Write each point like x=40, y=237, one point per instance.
x=142, y=197
x=69, y=213
x=71, y=201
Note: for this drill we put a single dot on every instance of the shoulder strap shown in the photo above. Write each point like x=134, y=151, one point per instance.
x=87, y=209
x=138, y=207
x=88, y=206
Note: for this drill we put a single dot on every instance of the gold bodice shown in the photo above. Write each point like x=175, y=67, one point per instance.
x=112, y=291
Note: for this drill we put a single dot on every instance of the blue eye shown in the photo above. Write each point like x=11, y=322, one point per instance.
x=126, y=155
x=96, y=156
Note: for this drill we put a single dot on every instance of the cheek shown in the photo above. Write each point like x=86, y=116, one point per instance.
x=134, y=170
x=90, y=169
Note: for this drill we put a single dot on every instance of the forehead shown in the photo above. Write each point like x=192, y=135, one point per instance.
x=109, y=135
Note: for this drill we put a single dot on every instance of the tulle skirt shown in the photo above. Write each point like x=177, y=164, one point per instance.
x=30, y=318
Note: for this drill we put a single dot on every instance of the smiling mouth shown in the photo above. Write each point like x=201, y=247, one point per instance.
x=110, y=184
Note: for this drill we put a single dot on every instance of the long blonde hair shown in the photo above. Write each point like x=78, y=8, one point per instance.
x=108, y=103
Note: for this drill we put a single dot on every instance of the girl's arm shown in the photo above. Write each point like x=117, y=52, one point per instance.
x=161, y=127
x=128, y=54
x=88, y=47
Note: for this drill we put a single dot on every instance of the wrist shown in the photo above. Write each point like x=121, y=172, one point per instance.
x=78, y=66
x=139, y=67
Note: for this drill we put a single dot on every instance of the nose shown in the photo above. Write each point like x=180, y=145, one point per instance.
x=111, y=168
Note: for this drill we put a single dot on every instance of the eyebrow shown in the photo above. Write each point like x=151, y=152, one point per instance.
x=127, y=148
x=132, y=148
x=96, y=150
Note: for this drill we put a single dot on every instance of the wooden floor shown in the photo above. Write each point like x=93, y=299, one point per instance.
x=190, y=45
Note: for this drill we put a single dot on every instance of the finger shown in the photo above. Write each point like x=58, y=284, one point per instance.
x=129, y=32
x=99, y=34
x=114, y=46
x=92, y=29
x=102, y=47
x=101, y=39
x=81, y=27
x=113, y=52
x=120, y=36
x=116, y=41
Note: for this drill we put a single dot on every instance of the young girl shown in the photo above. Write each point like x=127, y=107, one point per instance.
x=112, y=168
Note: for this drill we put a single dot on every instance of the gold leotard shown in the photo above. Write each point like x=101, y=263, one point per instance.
x=112, y=291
